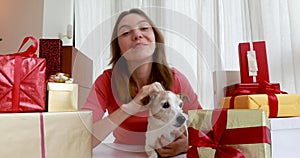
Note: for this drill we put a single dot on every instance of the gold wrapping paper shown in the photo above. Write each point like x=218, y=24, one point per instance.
x=242, y=118
x=62, y=97
x=66, y=135
x=288, y=104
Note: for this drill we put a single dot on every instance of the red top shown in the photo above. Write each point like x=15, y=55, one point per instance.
x=132, y=130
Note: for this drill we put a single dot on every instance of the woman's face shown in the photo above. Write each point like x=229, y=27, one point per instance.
x=136, y=38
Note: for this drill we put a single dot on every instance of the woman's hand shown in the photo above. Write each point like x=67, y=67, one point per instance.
x=138, y=102
x=166, y=149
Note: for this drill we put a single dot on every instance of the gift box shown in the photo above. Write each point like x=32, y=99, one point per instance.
x=80, y=68
x=287, y=105
x=62, y=96
x=222, y=79
x=285, y=137
x=261, y=61
x=228, y=133
x=46, y=135
x=253, y=88
x=51, y=50
x=23, y=80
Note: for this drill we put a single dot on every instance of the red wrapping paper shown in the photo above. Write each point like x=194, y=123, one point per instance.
x=23, y=80
x=253, y=87
x=261, y=58
x=51, y=50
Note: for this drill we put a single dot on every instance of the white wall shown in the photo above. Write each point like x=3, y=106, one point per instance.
x=17, y=20
x=39, y=18
x=57, y=15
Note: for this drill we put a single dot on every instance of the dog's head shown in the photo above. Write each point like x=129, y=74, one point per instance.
x=167, y=107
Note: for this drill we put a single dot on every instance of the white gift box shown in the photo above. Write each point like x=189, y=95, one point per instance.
x=285, y=137
x=62, y=97
x=46, y=135
x=221, y=79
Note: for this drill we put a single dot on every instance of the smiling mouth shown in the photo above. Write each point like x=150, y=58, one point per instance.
x=139, y=45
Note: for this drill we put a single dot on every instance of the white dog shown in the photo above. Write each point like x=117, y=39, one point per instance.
x=165, y=116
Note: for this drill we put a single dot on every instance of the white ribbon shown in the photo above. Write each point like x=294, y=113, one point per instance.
x=252, y=62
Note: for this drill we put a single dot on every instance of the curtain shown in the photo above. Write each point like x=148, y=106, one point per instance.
x=202, y=37
x=281, y=30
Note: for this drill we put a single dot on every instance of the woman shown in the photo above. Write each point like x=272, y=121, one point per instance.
x=139, y=69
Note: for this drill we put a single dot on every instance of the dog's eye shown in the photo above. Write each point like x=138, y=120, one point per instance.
x=166, y=105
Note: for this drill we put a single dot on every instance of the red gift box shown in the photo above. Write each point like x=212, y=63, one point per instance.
x=261, y=59
x=51, y=50
x=253, y=88
x=23, y=80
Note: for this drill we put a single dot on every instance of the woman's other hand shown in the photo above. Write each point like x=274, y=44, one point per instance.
x=168, y=149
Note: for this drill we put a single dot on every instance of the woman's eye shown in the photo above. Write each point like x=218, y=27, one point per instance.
x=125, y=33
x=145, y=28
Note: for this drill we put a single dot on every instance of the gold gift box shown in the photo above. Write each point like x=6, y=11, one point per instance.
x=60, y=134
x=62, y=97
x=242, y=118
x=288, y=104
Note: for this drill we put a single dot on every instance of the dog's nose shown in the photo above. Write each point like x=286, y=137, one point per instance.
x=180, y=119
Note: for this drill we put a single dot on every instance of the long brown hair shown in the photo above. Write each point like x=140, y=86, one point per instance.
x=123, y=84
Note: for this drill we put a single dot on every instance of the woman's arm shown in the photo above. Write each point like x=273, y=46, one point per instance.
x=103, y=127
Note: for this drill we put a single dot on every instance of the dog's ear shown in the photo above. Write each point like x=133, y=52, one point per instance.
x=183, y=96
x=152, y=98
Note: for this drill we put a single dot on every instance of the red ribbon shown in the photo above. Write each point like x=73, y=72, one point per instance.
x=42, y=131
x=30, y=51
x=264, y=88
x=16, y=85
x=219, y=137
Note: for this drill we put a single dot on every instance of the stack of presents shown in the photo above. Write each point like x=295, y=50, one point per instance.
x=40, y=117
x=39, y=105
x=256, y=118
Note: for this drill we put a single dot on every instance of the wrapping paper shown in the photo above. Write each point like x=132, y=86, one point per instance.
x=288, y=104
x=260, y=88
x=261, y=58
x=228, y=133
x=285, y=137
x=46, y=135
x=51, y=50
x=252, y=87
x=62, y=97
x=23, y=80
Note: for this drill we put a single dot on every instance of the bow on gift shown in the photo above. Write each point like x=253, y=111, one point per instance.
x=264, y=88
x=30, y=51
x=220, y=136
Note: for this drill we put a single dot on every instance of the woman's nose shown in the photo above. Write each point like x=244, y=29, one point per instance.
x=137, y=34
